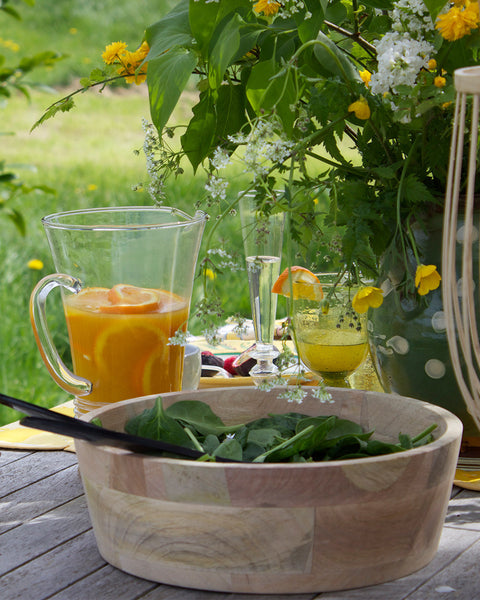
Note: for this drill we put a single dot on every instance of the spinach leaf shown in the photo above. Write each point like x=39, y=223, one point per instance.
x=305, y=441
x=290, y=437
x=267, y=438
x=229, y=448
x=199, y=415
x=284, y=423
x=210, y=444
x=251, y=451
x=154, y=423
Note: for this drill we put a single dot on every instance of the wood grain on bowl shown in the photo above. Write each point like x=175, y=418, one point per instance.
x=274, y=528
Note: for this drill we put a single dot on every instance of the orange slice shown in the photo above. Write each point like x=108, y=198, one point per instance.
x=305, y=284
x=119, y=347
x=129, y=299
x=90, y=299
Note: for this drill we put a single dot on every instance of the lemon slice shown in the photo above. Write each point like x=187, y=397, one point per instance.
x=305, y=284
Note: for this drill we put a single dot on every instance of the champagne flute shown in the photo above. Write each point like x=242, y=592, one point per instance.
x=262, y=239
x=331, y=337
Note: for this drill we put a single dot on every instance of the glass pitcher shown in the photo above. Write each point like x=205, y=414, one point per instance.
x=126, y=276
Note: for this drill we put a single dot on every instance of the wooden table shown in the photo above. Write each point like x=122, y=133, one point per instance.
x=48, y=550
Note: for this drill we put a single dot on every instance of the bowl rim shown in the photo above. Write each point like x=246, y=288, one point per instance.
x=453, y=432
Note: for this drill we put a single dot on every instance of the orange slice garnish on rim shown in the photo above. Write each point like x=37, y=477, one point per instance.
x=129, y=299
x=90, y=298
x=305, y=284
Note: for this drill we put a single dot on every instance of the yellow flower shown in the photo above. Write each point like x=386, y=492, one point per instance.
x=427, y=279
x=91, y=187
x=131, y=61
x=35, y=264
x=365, y=76
x=113, y=52
x=360, y=108
x=367, y=297
x=439, y=81
x=73, y=30
x=268, y=7
x=10, y=44
x=210, y=274
x=459, y=21
x=432, y=64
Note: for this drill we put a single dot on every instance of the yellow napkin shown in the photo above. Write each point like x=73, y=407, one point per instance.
x=17, y=437
x=469, y=480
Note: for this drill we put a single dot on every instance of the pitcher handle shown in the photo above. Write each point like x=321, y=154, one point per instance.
x=78, y=386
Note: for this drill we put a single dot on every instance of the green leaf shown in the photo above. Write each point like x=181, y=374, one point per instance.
x=416, y=191
x=306, y=439
x=268, y=88
x=379, y=4
x=405, y=441
x=251, y=450
x=231, y=105
x=155, y=424
x=17, y=219
x=229, y=448
x=285, y=424
x=198, y=138
x=308, y=28
x=173, y=30
x=12, y=12
x=167, y=77
x=210, y=444
x=266, y=437
x=434, y=7
x=333, y=61
x=225, y=48
x=203, y=19
x=200, y=416
x=63, y=105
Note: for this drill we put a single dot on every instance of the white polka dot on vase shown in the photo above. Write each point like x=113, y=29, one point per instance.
x=384, y=351
x=438, y=321
x=461, y=234
x=399, y=344
x=460, y=286
x=435, y=368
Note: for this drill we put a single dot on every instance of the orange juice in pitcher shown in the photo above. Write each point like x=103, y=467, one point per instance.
x=126, y=276
x=119, y=340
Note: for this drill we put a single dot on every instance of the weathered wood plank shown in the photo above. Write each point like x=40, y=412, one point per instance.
x=40, y=497
x=107, y=583
x=459, y=580
x=464, y=511
x=452, y=545
x=8, y=456
x=32, y=468
x=53, y=571
x=37, y=536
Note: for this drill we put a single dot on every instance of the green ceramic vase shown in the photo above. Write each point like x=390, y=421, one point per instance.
x=407, y=335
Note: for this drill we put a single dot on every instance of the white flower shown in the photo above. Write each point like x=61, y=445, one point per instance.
x=263, y=148
x=221, y=159
x=400, y=59
x=405, y=50
x=217, y=187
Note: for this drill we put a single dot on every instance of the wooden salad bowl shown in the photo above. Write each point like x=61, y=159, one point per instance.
x=274, y=528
